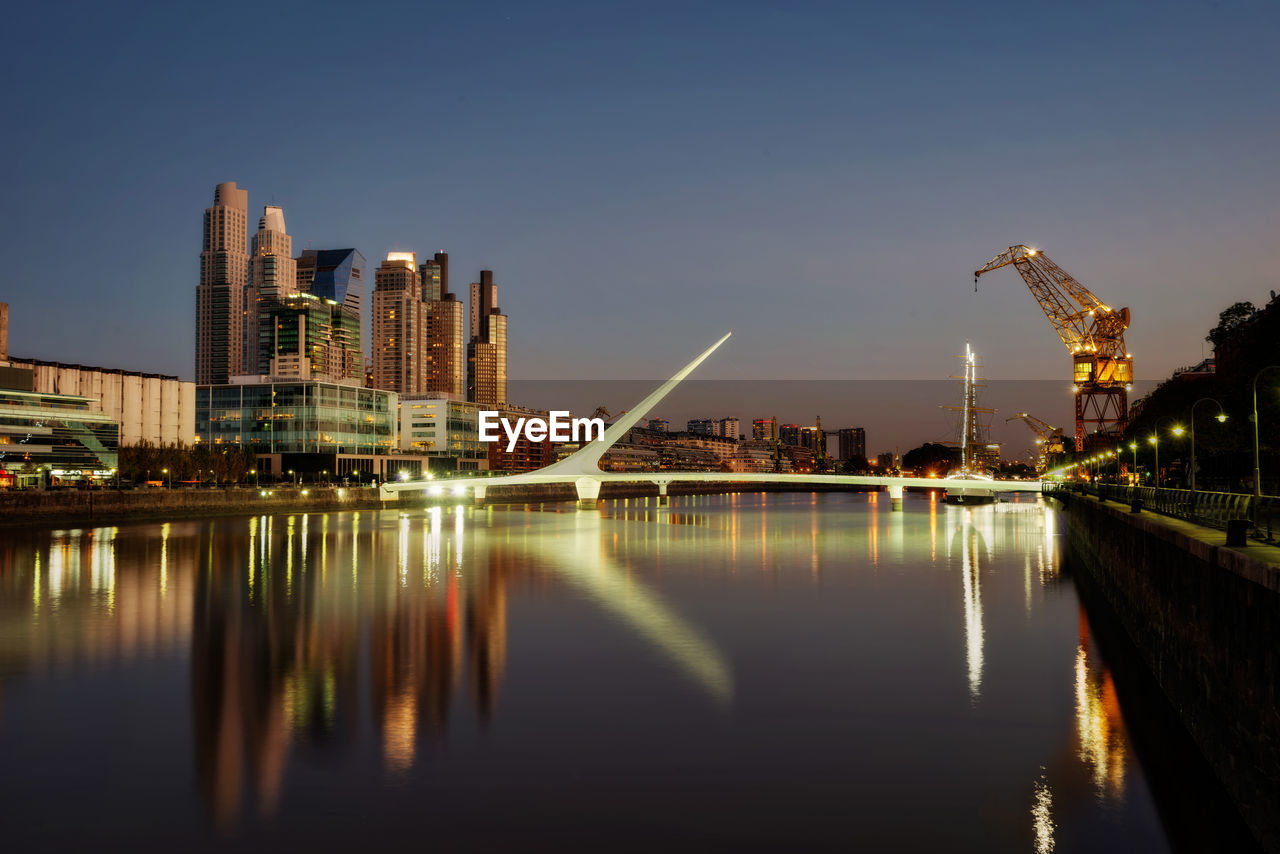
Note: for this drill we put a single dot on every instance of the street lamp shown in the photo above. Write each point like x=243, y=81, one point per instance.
x=1257, y=469
x=1154, y=439
x=1221, y=416
x=1133, y=446
x=167, y=478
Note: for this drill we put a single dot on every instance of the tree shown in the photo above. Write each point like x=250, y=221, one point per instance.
x=1229, y=319
x=855, y=465
x=931, y=455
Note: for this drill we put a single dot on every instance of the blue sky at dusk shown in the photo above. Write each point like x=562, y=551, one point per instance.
x=821, y=178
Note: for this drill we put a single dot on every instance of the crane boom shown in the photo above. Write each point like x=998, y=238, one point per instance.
x=1093, y=332
x=1083, y=322
x=1042, y=429
x=1049, y=439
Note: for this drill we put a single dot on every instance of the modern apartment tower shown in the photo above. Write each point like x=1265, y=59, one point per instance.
x=312, y=338
x=487, y=350
x=224, y=273
x=446, y=342
x=334, y=274
x=853, y=443
x=399, y=364
x=273, y=278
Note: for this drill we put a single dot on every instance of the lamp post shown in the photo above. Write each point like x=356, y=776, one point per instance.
x=1154, y=439
x=167, y=478
x=1257, y=468
x=1221, y=416
x=1133, y=446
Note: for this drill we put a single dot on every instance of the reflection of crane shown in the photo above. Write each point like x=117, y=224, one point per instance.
x=1091, y=329
x=1049, y=439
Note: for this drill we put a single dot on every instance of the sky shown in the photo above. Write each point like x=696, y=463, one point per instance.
x=820, y=178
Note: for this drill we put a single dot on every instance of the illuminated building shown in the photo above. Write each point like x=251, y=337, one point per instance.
x=729, y=428
x=335, y=274
x=812, y=438
x=527, y=455
x=45, y=438
x=764, y=428
x=702, y=427
x=789, y=434
x=399, y=363
x=853, y=443
x=148, y=407
x=752, y=456
x=435, y=276
x=487, y=351
x=446, y=343
x=659, y=424
x=308, y=337
x=444, y=429
x=273, y=277
x=224, y=273
x=304, y=426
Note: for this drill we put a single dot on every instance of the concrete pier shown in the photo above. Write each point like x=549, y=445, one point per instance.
x=895, y=497
x=588, y=490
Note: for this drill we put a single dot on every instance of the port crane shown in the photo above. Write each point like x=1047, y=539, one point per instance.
x=1049, y=439
x=1093, y=332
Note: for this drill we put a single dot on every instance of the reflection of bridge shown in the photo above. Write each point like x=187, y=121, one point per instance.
x=582, y=468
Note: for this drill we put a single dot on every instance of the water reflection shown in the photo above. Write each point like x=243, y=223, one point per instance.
x=1100, y=730
x=970, y=542
x=393, y=636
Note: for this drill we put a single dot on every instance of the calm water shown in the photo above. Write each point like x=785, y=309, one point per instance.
x=777, y=672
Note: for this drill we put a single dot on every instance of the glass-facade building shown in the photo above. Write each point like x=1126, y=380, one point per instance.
x=297, y=418
x=311, y=337
x=49, y=437
x=443, y=428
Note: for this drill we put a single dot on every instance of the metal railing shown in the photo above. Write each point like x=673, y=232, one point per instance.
x=1211, y=509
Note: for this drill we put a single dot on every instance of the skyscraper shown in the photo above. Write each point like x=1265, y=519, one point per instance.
x=487, y=351
x=399, y=363
x=435, y=276
x=312, y=338
x=224, y=273
x=273, y=277
x=334, y=274
x=853, y=443
x=446, y=343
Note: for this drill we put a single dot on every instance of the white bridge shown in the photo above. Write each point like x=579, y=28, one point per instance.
x=582, y=468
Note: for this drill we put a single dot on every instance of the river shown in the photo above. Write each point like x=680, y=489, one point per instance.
x=747, y=672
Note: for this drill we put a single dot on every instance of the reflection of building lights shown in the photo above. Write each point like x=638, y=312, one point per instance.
x=1042, y=826
x=1102, y=739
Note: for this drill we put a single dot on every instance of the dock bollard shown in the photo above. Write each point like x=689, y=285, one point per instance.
x=1135, y=506
x=1238, y=532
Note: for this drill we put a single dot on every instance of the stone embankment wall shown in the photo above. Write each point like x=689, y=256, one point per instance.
x=1207, y=621
x=72, y=506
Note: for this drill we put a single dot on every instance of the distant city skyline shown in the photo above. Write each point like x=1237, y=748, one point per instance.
x=822, y=181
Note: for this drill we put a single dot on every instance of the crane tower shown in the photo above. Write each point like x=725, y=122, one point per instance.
x=1093, y=332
